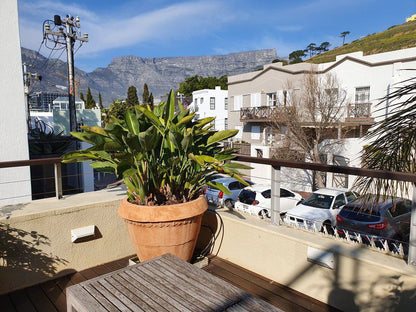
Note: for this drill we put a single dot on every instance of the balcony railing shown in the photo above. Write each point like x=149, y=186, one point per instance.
x=359, y=110
x=262, y=113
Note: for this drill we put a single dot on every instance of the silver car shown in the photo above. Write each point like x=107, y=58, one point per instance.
x=219, y=198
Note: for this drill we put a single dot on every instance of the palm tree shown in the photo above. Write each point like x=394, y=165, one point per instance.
x=343, y=35
x=393, y=146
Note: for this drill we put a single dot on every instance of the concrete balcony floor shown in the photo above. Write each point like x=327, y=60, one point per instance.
x=50, y=296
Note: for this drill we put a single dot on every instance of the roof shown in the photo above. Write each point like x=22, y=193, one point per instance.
x=331, y=191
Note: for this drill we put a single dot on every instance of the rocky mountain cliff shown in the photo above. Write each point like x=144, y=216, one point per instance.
x=161, y=74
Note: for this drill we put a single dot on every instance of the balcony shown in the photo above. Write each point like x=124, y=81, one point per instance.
x=359, y=113
x=264, y=258
x=260, y=114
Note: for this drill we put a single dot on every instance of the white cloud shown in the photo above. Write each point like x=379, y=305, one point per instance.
x=174, y=22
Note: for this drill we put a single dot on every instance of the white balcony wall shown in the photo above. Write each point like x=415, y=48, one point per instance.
x=14, y=182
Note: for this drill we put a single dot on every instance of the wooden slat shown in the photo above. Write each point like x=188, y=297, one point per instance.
x=55, y=295
x=244, y=277
x=40, y=301
x=6, y=304
x=22, y=302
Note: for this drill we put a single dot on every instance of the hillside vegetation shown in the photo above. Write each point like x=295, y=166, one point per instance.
x=395, y=38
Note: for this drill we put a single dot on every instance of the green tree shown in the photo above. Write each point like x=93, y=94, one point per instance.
x=296, y=56
x=323, y=47
x=81, y=96
x=146, y=96
x=151, y=100
x=196, y=82
x=90, y=102
x=100, y=101
x=132, y=98
x=343, y=35
x=117, y=109
x=311, y=48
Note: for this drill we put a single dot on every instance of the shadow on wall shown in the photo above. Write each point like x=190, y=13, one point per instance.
x=356, y=292
x=22, y=258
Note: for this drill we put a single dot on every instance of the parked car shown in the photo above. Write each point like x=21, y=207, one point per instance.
x=320, y=209
x=372, y=217
x=256, y=200
x=219, y=198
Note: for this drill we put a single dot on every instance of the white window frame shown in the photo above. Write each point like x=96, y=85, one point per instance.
x=212, y=103
x=362, y=94
x=255, y=99
x=238, y=102
x=272, y=99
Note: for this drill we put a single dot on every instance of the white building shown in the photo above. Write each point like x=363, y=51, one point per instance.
x=62, y=103
x=15, y=184
x=211, y=103
x=366, y=79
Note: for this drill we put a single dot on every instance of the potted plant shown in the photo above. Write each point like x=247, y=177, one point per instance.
x=164, y=158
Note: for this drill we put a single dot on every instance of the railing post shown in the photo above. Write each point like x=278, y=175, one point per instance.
x=58, y=180
x=275, y=200
x=412, y=235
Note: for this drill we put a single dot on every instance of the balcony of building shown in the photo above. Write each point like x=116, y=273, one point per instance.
x=270, y=260
x=260, y=114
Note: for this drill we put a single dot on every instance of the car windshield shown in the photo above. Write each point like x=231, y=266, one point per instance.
x=247, y=197
x=319, y=201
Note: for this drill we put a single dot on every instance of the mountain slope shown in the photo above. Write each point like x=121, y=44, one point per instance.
x=395, y=38
x=161, y=74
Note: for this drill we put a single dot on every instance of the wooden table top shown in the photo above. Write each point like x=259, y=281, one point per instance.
x=166, y=283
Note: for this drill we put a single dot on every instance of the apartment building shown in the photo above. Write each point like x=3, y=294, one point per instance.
x=211, y=103
x=255, y=98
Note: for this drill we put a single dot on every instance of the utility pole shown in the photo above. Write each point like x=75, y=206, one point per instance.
x=28, y=78
x=70, y=35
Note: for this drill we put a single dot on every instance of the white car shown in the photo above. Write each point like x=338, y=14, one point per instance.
x=320, y=209
x=256, y=200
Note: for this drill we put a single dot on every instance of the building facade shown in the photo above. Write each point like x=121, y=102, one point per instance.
x=211, y=103
x=255, y=98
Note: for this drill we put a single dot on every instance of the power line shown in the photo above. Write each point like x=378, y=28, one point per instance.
x=66, y=37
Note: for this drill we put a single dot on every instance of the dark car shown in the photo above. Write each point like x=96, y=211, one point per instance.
x=376, y=218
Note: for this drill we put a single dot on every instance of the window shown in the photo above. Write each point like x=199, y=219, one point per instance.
x=259, y=152
x=255, y=99
x=234, y=186
x=362, y=95
x=226, y=103
x=339, y=201
x=201, y=101
x=255, y=132
x=196, y=102
x=225, y=123
x=401, y=208
x=212, y=103
x=286, y=193
x=284, y=97
x=271, y=99
x=238, y=102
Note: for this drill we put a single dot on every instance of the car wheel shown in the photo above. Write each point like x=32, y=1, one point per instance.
x=264, y=214
x=229, y=203
x=329, y=228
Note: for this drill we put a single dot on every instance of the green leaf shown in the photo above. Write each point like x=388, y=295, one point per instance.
x=219, y=186
x=234, y=165
x=221, y=135
x=132, y=123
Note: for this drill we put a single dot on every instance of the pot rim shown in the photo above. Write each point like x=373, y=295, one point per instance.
x=162, y=213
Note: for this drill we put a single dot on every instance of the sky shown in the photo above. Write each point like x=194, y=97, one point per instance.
x=168, y=28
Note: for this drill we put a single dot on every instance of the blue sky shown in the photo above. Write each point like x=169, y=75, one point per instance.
x=160, y=28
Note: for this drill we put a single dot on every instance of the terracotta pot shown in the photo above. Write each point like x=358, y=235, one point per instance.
x=157, y=230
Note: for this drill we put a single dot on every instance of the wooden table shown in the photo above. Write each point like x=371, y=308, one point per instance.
x=166, y=283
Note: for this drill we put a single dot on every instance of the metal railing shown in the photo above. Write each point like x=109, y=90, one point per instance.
x=262, y=113
x=275, y=182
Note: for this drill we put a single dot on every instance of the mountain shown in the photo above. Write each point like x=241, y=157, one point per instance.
x=394, y=38
x=160, y=73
